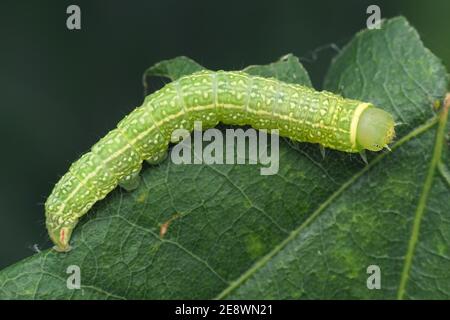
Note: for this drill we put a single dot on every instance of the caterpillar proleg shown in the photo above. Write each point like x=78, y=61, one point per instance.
x=299, y=113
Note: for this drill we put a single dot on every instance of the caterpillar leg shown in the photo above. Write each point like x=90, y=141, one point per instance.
x=158, y=158
x=322, y=151
x=362, y=153
x=130, y=182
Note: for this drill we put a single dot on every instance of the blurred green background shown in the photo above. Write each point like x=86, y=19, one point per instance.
x=62, y=90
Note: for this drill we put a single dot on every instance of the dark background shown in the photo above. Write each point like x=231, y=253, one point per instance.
x=62, y=90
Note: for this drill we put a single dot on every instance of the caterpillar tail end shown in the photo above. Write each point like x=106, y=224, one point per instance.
x=60, y=223
x=375, y=129
x=61, y=237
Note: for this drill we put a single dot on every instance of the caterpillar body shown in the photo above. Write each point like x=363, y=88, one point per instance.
x=231, y=97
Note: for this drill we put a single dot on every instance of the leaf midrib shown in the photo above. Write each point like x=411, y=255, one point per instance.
x=421, y=206
x=263, y=261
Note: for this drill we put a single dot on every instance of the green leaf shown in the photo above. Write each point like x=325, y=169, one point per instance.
x=172, y=68
x=287, y=69
x=391, y=68
x=310, y=231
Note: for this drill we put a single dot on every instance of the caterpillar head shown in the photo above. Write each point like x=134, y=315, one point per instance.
x=375, y=129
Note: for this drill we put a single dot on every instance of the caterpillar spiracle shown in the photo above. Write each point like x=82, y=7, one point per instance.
x=298, y=112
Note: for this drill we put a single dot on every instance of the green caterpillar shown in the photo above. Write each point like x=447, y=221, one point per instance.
x=298, y=112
